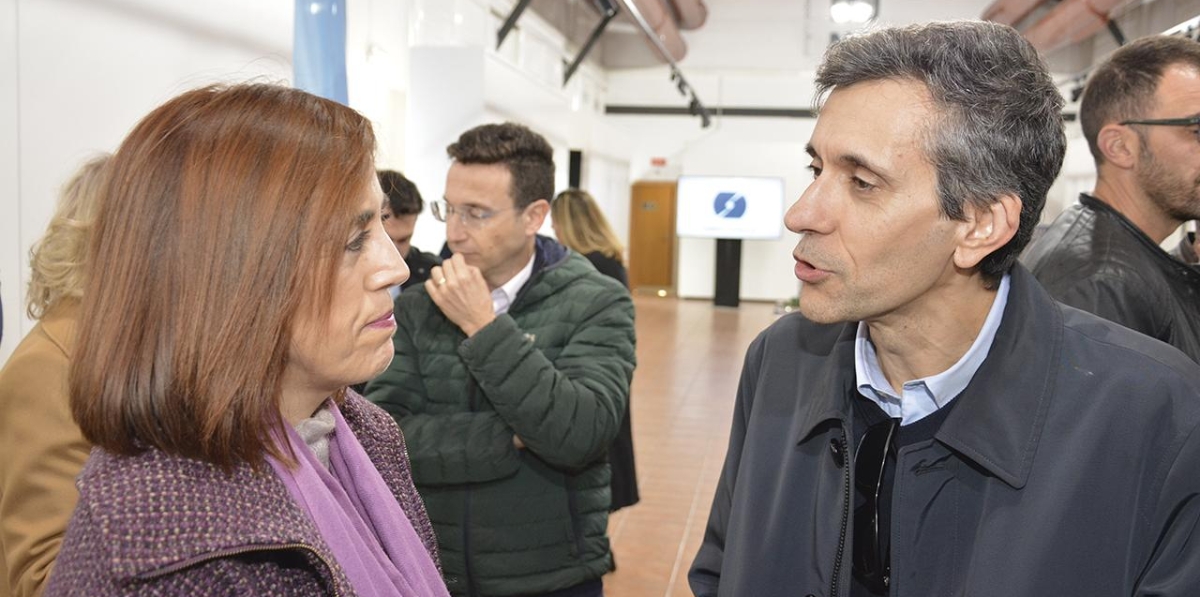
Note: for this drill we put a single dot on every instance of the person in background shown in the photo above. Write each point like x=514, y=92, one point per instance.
x=245, y=286
x=400, y=211
x=510, y=380
x=41, y=447
x=1141, y=117
x=581, y=226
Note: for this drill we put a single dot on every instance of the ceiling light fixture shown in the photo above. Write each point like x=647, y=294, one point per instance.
x=852, y=11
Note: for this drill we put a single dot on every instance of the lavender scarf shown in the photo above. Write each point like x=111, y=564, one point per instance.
x=359, y=517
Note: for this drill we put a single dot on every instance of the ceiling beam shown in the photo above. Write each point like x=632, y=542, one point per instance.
x=1010, y=12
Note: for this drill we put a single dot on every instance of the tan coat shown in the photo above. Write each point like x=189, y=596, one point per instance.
x=41, y=453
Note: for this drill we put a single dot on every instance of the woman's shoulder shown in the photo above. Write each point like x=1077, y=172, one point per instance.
x=366, y=418
x=608, y=266
x=152, y=509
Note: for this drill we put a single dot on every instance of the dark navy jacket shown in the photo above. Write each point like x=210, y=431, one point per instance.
x=1070, y=465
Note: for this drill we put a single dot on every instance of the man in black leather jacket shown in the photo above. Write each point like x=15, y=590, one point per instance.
x=1141, y=117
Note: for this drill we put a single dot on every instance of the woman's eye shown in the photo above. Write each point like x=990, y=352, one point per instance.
x=359, y=241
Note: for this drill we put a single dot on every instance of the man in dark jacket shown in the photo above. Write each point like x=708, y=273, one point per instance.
x=1141, y=117
x=511, y=375
x=932, y=423
x=401, y=206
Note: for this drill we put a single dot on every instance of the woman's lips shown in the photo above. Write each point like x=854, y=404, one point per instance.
x=385, y=322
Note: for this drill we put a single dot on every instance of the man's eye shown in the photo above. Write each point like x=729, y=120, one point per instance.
x=861, y=184
x=476, y=213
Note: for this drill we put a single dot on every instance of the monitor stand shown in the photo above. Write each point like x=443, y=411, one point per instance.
x=729, y=272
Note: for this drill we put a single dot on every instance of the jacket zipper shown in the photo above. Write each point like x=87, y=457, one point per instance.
x=471, y=400
x=841, y=550
x=229, y=553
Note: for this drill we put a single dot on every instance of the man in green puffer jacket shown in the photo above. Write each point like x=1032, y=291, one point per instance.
x=511, y=376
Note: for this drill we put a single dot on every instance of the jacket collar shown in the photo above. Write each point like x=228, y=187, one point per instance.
x=1163, y=259
x=548, y=255
x=998, y=419
x=835, y=385
x=58, y=323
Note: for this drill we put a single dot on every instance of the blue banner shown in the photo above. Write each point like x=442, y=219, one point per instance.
x=319, y=54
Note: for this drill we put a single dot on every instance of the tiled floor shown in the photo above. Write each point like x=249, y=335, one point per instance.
x=689, y=359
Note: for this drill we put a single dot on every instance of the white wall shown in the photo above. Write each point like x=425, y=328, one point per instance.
x=11, y=262
x=75, y=75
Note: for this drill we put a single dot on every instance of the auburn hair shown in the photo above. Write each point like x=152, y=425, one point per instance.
x=226, y=213
x=581, y=226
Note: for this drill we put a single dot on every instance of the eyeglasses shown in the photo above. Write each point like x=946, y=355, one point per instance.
x=474, y=217
x=872, y=551
x=1193, y=121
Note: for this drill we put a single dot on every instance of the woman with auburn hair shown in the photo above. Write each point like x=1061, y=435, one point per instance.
x=244, y=286
x=42, y=447
x=581, y=226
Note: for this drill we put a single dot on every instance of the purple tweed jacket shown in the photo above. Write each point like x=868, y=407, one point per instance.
x=155, y=524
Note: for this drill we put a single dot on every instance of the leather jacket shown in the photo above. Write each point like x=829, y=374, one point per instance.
x=1093, y=258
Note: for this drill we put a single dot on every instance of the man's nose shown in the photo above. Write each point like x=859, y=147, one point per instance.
x=455, y=228
x=810, y=213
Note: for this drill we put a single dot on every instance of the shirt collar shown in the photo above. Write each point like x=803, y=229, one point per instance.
x=503, y=296
x=921, y=397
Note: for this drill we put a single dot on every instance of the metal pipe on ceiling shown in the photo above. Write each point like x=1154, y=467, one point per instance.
x=1010, y=12
x=1070, y=22
x=690, y=14
x=655, y=16
x=633, y=7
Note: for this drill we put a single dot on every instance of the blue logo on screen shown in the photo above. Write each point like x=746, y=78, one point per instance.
x=729, y=205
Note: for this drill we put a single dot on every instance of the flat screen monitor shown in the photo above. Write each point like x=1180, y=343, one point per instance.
x=742, y=207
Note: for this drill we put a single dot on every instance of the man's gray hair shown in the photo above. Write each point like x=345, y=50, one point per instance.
x=998, y=125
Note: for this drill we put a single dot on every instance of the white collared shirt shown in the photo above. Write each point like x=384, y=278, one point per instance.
x=921, y=397
x=503, y=296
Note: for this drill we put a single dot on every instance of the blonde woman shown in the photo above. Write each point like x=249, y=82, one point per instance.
x=581, y=226
x=43, y=448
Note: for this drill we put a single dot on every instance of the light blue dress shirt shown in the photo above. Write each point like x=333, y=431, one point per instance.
x=921, y=397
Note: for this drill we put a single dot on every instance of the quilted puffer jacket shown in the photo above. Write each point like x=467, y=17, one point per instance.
x=554, y=371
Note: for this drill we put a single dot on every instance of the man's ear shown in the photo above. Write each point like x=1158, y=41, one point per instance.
x=535, y=215
x=987, y=229
x=1119, y=144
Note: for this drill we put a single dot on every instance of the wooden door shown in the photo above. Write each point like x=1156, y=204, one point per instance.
x=652, y=236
